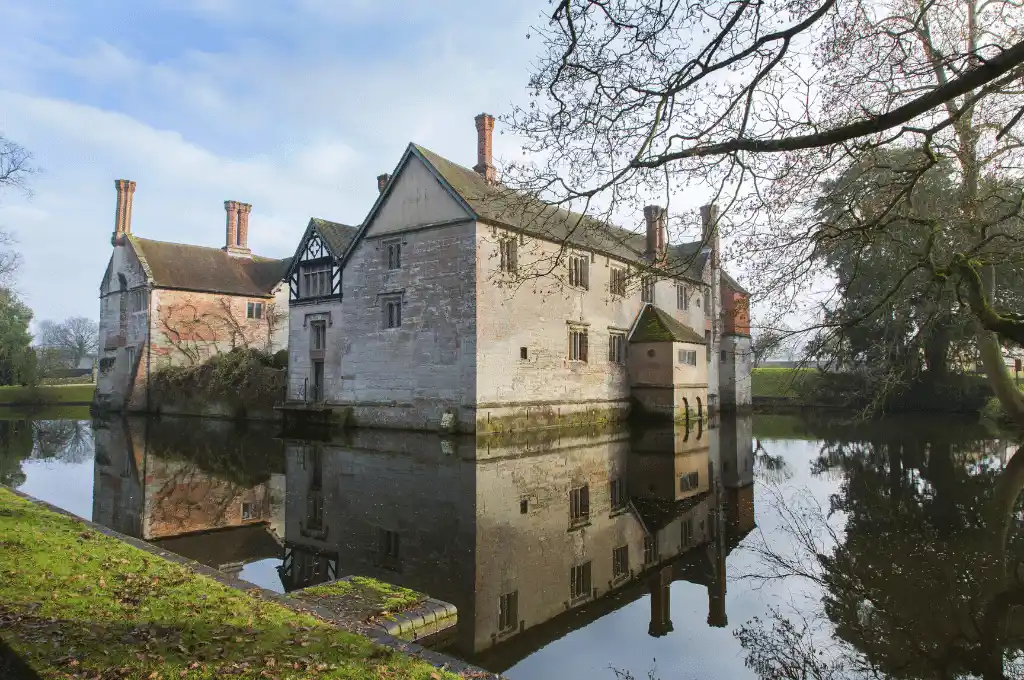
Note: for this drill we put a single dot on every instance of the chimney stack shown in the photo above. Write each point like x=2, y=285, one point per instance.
x=237, y=231
x=123, y=216
x=709, y=230
x=382, y=181
x=243, y=225
x=484, y=135
x=656, y=232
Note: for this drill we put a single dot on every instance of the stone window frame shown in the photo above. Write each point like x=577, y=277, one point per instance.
x=508, y=251
x=391, y=311
x=580, y=581
x=318, y=335
x=618, y=278
x=686, y=537
x=392, y=251
x=687, y=357
x=617, y=350
x=682, y=297
x=647, y=289
x=620, y=562
x=254, y=310
x=579, y=506
x=578, y=265
x=578, y=343
x=508, y=611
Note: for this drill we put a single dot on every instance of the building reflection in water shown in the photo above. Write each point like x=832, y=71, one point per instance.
x=531, y=536
x=202, y=489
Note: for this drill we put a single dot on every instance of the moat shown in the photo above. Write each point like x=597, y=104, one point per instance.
x=733, y=550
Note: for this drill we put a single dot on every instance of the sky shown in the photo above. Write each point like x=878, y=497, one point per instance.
x=294, y=107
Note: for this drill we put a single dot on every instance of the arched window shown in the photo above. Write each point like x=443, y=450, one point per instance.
x=700, y=410
x=686, y=407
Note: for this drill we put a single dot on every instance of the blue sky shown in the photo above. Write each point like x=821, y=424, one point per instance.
x=294, y=107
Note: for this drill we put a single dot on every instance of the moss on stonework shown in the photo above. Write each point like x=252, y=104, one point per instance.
x=550, y=419
x=76, y=603
x=362, y=597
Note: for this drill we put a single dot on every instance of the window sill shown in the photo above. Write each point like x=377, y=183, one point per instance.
x=618, y=511
x=580, y=599
x=581, y=524
x=619, y=580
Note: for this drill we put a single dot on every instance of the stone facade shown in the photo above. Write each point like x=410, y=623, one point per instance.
x=489, y=312
x=167, y=304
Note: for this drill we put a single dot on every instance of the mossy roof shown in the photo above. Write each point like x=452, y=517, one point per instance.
x=337, y=235
x=657, y=325
x=499, y=204
x=183, y=266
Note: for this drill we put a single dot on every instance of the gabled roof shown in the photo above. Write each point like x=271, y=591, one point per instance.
x=657, y=325
x=500, y=205
x=732, y=283
x=337, y=235
x=656, y=513
x=203, y=269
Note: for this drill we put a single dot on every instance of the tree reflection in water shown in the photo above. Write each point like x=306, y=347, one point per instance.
x=917, y=562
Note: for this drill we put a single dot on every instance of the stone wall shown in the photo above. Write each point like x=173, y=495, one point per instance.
x=412, y=375
x=115, y=374
x=735, y=361
x=534, y=311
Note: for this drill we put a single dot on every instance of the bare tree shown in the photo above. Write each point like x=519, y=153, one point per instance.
x=15, y=167
x=75, y=338
x=760, y=102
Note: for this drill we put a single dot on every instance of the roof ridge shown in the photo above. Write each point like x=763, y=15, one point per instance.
x=195, y=245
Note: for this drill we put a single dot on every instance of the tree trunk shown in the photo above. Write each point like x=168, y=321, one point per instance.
x=999, y=377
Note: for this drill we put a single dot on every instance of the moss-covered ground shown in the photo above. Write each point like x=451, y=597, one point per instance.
x=362, y=598
x=16, y=395
x=75, y=603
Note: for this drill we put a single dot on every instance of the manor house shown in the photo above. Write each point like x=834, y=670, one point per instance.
x=165, y=304
x=460, y=304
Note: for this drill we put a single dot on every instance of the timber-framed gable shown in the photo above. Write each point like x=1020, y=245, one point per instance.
x=315, y=272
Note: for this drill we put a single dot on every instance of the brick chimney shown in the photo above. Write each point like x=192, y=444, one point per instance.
x=237, y=230
x=484, y=134
x=656, y=232
x=123, y=216
x=382, y=181
x=709, y=230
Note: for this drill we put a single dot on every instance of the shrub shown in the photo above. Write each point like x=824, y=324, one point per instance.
x=242, y=378
x=280, y=359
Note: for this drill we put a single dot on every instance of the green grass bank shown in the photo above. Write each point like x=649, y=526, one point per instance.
x=75, y=603
x=46, y=395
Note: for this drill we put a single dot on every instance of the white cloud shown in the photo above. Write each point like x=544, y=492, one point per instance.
x=295, y=134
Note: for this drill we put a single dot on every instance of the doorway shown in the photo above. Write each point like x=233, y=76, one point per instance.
x=318, y=381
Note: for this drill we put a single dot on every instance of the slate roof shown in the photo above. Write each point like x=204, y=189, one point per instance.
x=337, y=235
x=200, y=268
x=657, y=513
x=733, y=283
x=657, y=325
x=495, y=203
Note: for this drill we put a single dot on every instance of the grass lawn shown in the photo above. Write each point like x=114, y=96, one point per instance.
x=361, y=598
x=16, y=395
x=779, y=382
x=77, y=604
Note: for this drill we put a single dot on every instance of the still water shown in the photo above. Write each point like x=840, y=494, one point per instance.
x=763, y=546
